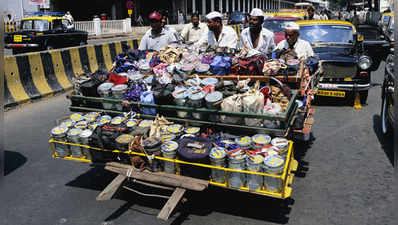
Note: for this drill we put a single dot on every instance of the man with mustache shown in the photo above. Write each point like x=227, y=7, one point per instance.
x=218, y=34
x=255, y=36
x=193, y=31
x=301, y=47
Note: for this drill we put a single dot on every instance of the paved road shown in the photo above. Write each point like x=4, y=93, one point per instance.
x=345, y=178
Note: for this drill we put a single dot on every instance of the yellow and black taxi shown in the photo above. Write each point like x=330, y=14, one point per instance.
x=44, y=32
x=346, y=67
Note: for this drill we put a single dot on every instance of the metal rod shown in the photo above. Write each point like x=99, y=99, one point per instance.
x=263, y=129
x=281, y=117
x=148, y=195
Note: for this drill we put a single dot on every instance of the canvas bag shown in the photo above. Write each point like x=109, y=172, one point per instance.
x=272, y=67
x=232, y=104
x=253, y=102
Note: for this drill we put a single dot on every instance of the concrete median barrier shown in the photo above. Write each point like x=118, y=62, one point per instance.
x=43, y=74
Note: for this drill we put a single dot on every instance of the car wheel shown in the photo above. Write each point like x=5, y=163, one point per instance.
x=385, y=126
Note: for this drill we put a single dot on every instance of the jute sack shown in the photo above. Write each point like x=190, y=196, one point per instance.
x=232, y=104
x=253, y=102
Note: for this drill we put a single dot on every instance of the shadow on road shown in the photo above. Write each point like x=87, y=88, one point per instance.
x=300, y=150
x=12, y=161
x=202, y=203
x=330, y=101
x=386, y=141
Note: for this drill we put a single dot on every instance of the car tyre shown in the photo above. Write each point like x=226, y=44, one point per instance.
x=385, y=126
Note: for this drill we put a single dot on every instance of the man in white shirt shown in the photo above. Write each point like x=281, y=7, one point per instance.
x=218, y=35
x=311, y=14
x=302, y=48
x=156, y=37
x=170, y=29
x=255, y=36
x=193, y=31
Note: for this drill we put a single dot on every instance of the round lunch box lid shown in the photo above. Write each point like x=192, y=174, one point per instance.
x=256, y=159
x=214, y=96
x=81, y=124
x=74, y=131
x=137, y=76
x=105, y=87
x=67, y=123
x=175, y=128
x=180, y=93
x=197, y=96
x=151, y=142
x=192, y=152
x=209, y=80
x=261, y=139
x=187, y=67
x=117, y=120
x=132, y=123
x=86, y=133
x=76, y=117
x=146, y=123
x=169, y=146
x=192, y=130
x=238, y=156
x=168, y=137
x=274, y=161
x=202, y=68
x=228, y=83
x=124, y=139
x=58, y=130
x=120, y=87
x=217, y=153
x=104, y=119
x=243, y=141
x=193, y=82
x=280, y=142
x=91, y=115
x=292, y=62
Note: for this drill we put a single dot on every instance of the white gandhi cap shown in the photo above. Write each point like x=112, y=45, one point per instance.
x=292, y=26
x=257, y=12
x=213, y=15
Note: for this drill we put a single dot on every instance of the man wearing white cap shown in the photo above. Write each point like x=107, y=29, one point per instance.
x=302, y=48
x=218, y=35
x=255, y=36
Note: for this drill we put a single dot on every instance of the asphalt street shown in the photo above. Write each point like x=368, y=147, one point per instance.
x=345, y=177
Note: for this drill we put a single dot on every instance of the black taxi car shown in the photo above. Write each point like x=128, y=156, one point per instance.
x=39, y=33
x=345, y=64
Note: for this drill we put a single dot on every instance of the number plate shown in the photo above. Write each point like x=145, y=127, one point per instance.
x=17, y=38
x=339, y=94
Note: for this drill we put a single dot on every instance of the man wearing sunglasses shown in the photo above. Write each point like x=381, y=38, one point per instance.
x=218, y=35
x=156, y=37
x=255, y=36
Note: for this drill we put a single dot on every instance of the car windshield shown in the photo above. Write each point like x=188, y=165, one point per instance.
x=38, y=25
x=327, y=33
x=276, y=25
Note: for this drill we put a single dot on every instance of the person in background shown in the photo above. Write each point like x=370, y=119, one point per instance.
x=324, y=15
x=168, y=28
x=218, y=35
x=301, y=47
x=255, y=36
x=193, y=31
x=311, y=14
x=69, y=17
x=156, y=37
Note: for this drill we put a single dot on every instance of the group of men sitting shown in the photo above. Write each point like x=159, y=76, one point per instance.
x=255, y=37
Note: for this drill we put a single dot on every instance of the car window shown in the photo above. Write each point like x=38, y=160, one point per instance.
x=27, y=25
x=41, y=25
x=386, y=19
x=276, y=25
x=58, y=25
x=327, y=33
